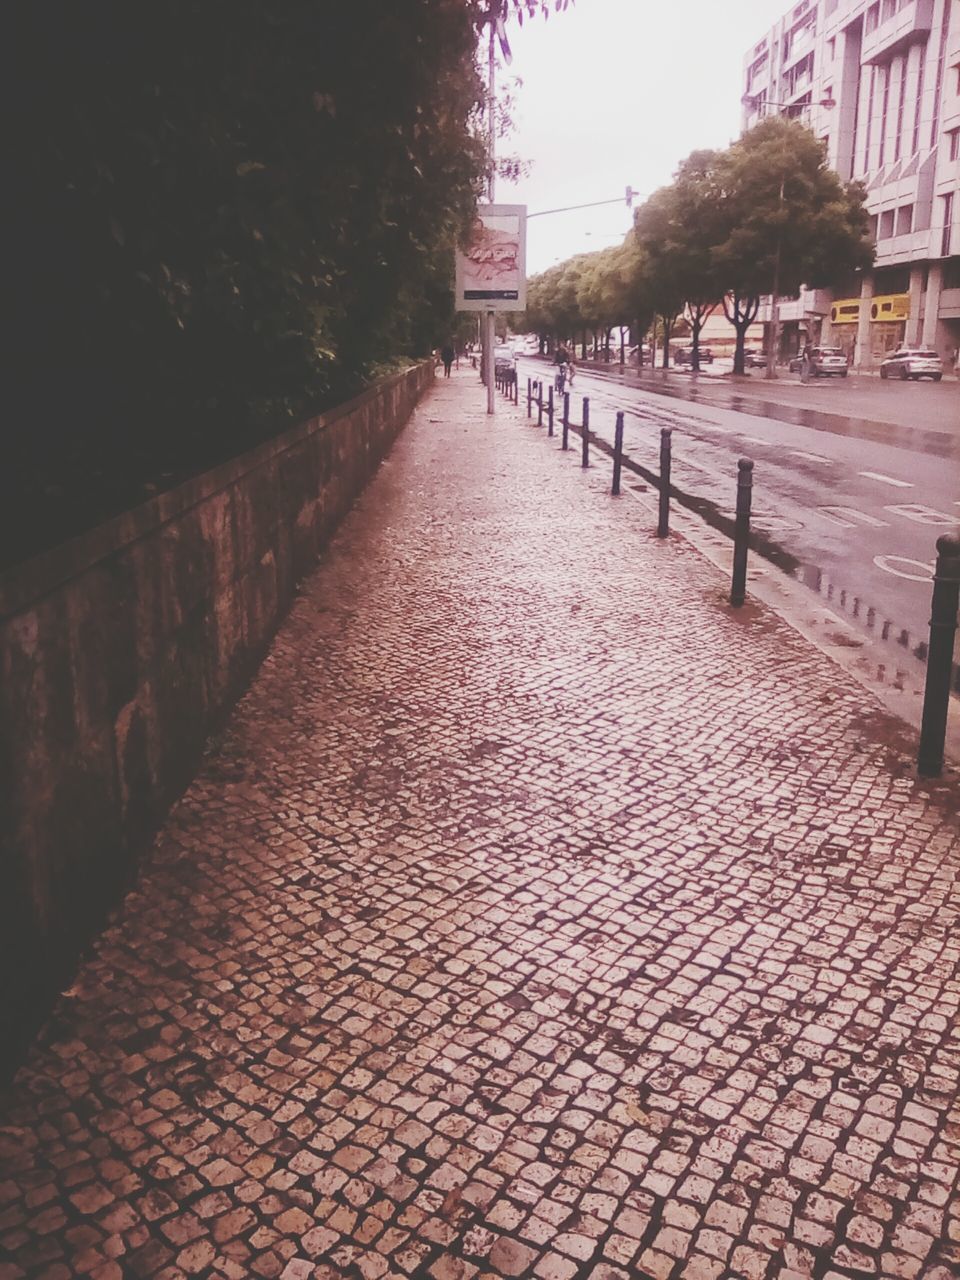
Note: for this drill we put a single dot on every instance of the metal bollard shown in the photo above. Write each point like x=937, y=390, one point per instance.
x=617, y=454
x=566, y=420
x=585, y=434
x=529, y=395
x=663, y=521
x=943, y=628
x=539, y=404
x=550, y=411
x=741, y=535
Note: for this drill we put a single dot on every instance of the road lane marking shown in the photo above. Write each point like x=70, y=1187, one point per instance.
x=848, y=517
x=808, y=457
x=920, y=514
x=876, y=475
x=886, y=563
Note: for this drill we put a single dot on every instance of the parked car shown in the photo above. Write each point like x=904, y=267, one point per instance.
x=684, y=355
x=912, y=362
x=502, y=358
x=824, y=362
x=754, y=358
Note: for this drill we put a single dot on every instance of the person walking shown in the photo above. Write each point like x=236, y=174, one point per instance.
x=805, y=363
x=446, y=355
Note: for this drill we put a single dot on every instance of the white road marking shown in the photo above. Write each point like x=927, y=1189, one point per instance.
x=849, y=517
x=808, y=457
x=875, y=475
x=886, y=563
x=920, y=514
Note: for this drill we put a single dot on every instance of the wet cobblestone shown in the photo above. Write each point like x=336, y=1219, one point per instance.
x=534, y=916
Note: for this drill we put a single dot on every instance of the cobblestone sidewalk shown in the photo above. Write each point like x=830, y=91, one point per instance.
x=536, y=916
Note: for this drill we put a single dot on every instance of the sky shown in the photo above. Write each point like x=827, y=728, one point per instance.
x=617, y=93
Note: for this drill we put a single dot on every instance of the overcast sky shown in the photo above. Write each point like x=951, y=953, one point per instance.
x=617, y=92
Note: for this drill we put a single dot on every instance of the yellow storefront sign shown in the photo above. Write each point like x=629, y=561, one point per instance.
x=845, y=311
x=885, y=306
x=890, y=306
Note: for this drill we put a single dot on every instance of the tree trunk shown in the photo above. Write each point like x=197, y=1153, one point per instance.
x=667, y=328
x=741, y=312
x=696, y=324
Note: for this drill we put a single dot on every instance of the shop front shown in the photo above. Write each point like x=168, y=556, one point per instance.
x=888, y=316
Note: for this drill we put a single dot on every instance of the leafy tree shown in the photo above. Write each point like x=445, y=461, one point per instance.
x=233, y=212
x=676, y=229
x=664, y=287
x=791, y=221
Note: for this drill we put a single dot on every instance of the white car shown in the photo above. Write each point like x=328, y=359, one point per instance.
x=913, y=363
x=503, y=358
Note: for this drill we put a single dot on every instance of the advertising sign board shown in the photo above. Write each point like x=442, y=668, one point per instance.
x=491, y=273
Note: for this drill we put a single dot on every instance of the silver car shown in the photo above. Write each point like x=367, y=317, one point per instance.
x=910, y=362
x=824, y=362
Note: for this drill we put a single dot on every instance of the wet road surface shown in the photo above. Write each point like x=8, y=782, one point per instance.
x=856, y=505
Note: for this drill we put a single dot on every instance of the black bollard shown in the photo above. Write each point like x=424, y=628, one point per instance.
x=663, y=521
x=617, y=454
x=566, y=419
x=550, y=411
x=539, y=404
x=741, y=535
x=585, y=434
x=529, y=395
x=943, y=629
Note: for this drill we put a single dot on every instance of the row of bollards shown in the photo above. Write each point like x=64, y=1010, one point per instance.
x=506, y=380
x=946, y=580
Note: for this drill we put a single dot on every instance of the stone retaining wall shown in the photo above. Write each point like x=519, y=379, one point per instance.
x=122, y=649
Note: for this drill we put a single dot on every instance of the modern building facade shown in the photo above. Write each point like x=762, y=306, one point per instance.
x=879, y=81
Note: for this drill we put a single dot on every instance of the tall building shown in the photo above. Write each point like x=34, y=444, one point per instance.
x=879, y=81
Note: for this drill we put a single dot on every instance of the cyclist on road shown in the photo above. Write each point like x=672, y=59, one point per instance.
x=562, y=360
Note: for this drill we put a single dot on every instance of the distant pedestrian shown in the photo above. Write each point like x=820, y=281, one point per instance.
x=446, y=355
x=805, y=364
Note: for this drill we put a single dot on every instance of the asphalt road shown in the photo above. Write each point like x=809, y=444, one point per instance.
x=853, y=501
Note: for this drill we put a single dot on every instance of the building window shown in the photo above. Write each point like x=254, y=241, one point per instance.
x=886, y=224
x=901, y=109
x=953, y=144
x=889, y=9
x=947, y=203
x=871, y=90
x=873, y=18
x=951, y=274
x=831, y=7
x=904, y=220
x=916, y=118
x=885, y=101
x=874, y=221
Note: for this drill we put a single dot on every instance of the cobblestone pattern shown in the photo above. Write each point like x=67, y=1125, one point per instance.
x=536, y=916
